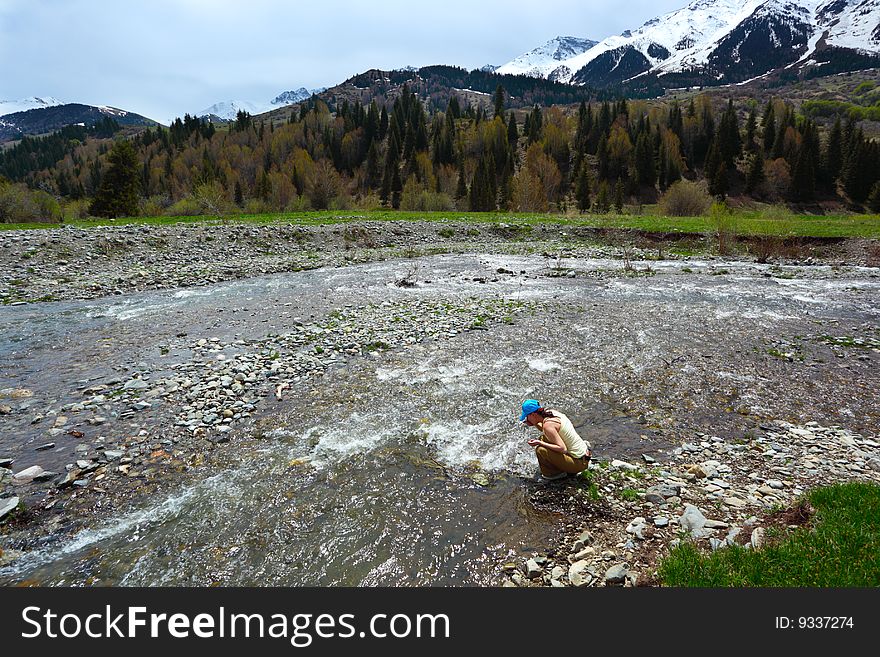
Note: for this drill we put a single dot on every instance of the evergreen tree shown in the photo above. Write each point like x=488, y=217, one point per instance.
x=483, y=189
x=119, y=189
x=833, y=159
x=499, y=102
x=645, y=168
x=803, y=178
x=582, y=189
x=371, y=173
x=751, y=129
x=453, y=108
x=718, y=183
x=396, y=188
x=756, y=173
x=461, y=190
x=505, y=192
x=604, y=160
x=512, y=133
x=852, y=174
x=383, y=123
x=874, y=198
x=603, y=198
x=238, y=196
x=769, y=133
x=728, y=137
x=618, y=195
x=536, y=129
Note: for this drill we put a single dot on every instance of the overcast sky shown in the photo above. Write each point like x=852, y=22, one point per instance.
x=162, y=58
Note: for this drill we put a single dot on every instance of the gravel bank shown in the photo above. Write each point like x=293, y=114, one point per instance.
x=762, y=378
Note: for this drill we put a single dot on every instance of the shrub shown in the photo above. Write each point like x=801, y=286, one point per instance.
x=185, y=207
x=340, y=202
x=211, y=198
x=18, y=204
x=724, y=222
x=154, y=206
x=685, y=199
x=256, y=206
x=368, y=202
x=298, y=204
x=75, y=210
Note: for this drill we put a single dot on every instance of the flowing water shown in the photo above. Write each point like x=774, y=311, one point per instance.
x=405, y=469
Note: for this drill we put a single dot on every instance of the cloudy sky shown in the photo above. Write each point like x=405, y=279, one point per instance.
x=162, y=58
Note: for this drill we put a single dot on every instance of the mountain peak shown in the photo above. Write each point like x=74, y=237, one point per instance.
x=25, y=104
x=546, y=59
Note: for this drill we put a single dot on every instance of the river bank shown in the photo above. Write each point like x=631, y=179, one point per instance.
x=162, y=417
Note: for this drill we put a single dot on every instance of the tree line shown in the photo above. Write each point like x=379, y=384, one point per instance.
x=599, y=156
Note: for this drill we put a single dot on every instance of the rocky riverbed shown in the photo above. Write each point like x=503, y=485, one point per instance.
x=302, y=364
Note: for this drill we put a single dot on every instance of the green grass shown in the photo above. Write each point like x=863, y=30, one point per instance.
x=747, y=222
x=840, y=547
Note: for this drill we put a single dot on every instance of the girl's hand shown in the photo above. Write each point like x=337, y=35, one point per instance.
x=534, y=442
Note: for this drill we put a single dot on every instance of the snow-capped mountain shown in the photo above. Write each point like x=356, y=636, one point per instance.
x=25, y=104
x=227, y=110
x=724, y=41
x=549, y=61
x=48, y=118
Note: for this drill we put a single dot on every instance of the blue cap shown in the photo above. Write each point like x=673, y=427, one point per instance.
x=529, y=406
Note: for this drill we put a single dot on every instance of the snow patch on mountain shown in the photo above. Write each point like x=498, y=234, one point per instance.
x=25, y=104
x=227, y=110
x=547, y=59
x=687, y=38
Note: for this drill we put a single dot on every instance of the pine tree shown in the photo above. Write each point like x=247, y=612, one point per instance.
x=769, y=134
x=371, y=173
x=874, y=198
x=383, y=123
x=512, y=132
x=536, y=129
x=238, y=196
x=718, y=184
x=396, y=189
x=803, y=177
x=618, y=195
x=461, y=190
x=453, y=108
x=755, y=177
x=854, y=174
x=119, y=189
x=833, y=159
x=483, y=190
x=603, y=202
x=646, y=170
x=499, y=102
x=751, y=129
x=582, y=189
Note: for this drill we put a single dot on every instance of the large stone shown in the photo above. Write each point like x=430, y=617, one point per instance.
x=533, y=569
x=7, y=506
x=637, y=528
x=579, y=574
x=28, y=474
x=582, y=541
x=616, y=575
x=757, y=539
x=661, y=492
x=136, y=384
x=715, y=524
x=693, y=521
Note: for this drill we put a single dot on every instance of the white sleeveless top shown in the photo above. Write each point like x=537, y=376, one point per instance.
x=575, y=445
